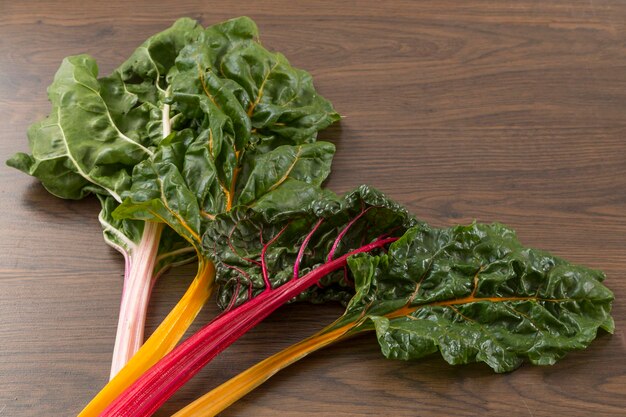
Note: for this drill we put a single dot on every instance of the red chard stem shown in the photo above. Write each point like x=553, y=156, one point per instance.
x=296, y=266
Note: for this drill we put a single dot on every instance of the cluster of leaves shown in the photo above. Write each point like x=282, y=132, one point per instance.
x=474, y=293
x=99, y=129
x=244, y=135
x=243, y=124
x=209, y=133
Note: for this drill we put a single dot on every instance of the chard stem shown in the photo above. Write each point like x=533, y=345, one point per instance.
x=266, y=278
x=305, y=243
x=139, y=278
x=138, y=283
x=343, y=232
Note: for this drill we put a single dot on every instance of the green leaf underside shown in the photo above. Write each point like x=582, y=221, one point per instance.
x=475, y=294
x=236, y=239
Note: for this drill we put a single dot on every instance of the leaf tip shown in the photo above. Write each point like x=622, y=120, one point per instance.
x=21, y=161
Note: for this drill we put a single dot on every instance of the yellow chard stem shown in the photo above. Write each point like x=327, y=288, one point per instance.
x=162, y=341
x=226, y=394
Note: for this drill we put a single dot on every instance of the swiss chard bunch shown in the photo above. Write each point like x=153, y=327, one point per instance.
x=203, y=145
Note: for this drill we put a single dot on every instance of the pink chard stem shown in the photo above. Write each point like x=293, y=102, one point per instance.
x=138, y=282
x=343, y=232
x=266, y=278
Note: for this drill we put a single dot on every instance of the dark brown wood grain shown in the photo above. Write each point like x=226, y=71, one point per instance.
x=510, y=111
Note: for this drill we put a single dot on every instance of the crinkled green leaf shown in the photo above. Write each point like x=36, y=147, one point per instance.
x=99, y=129
x=50, y=163
x=160, y=192
x=236, y=239
x=82, y=130
x=308, y=163
x=474, y=293
x=144, y=73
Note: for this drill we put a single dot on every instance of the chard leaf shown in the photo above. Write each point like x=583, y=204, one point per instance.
x=475, y=294
x=308, y=163
x=242, y=241
x=160, y=192
x=145, y=72
x=81, y=130
x=99, y=129
x=51, y=163
x=268, y=101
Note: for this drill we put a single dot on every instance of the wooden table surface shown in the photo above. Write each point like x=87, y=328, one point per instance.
x=496, y=111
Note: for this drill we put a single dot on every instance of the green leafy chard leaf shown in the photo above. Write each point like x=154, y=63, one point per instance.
x=144, y=73
x=51, y=163
x=475, y=294
x=160, y=192
x=99, y=129
x=308, y=164
x=239, y=242
x=83, y=124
